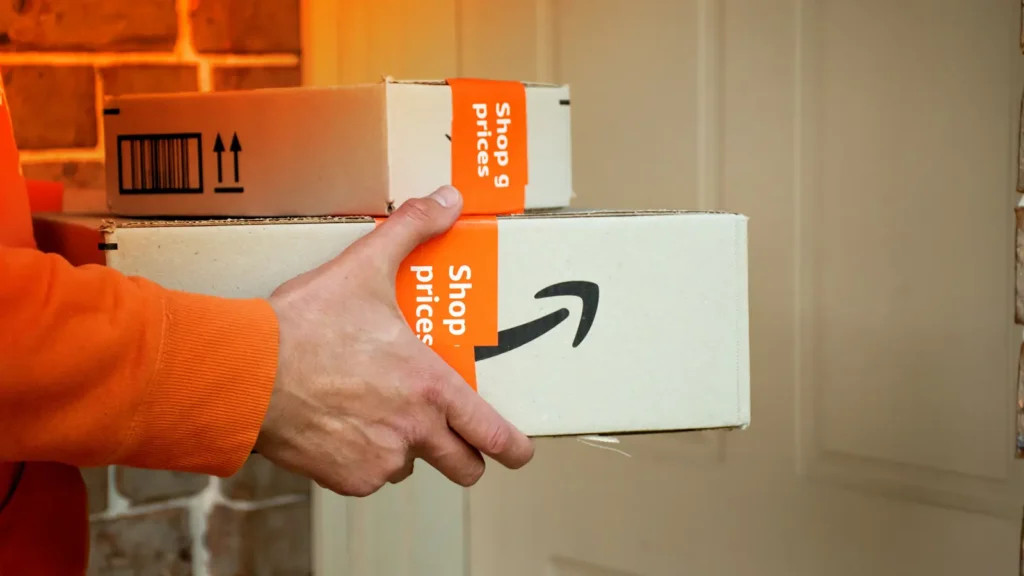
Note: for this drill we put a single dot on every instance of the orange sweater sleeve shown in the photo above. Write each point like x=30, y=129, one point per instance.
x=98, y=368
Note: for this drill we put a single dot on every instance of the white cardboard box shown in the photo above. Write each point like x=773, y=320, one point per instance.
x=347, y=150
x=667, y=345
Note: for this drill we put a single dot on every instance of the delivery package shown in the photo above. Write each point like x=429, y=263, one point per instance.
x=567, y=323
x=360, y=149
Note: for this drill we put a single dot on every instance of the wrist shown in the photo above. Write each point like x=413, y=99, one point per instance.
x=211, y=387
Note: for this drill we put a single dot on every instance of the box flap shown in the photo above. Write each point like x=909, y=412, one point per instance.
x=391, y=80
x=109, y=222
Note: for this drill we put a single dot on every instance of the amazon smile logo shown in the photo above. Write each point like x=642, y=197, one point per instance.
x=518, y=336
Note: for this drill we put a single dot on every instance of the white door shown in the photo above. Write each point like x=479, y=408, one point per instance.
x=873, y=144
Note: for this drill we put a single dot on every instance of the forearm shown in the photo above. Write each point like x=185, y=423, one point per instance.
x=98, y=368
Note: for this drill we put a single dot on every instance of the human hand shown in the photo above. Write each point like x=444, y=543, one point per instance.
x=358, y=397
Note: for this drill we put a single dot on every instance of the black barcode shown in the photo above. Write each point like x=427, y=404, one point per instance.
x=160, y=163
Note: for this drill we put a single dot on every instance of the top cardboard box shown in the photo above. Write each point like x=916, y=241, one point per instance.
x=349, y=150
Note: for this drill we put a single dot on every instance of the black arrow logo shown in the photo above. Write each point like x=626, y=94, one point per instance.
x=236, y=147
x=218, y=147
x=513, y=338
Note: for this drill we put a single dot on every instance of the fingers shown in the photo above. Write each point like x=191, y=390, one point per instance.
x=415, y=222
x=458, y=461
x=481, y=426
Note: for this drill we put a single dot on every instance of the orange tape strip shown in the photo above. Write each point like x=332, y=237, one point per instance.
x=447, y=290
x=489, y=163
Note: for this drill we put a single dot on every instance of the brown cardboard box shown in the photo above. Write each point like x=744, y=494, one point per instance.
x=347, y=150
x=577, y=323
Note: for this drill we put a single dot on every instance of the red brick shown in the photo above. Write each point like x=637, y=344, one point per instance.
x=120, y=80
x=141, y=486
x=272, y=540
x=86, y=201
x=1020, y=133
x=1020, y=403
x=152, y=544
x=245, y=26
x=74, y=175
x=112, y=25
x=259, y=480
x=52, y=106
x=234, y=78
x=1020, y=266
x=96, y=483
x=84, y=189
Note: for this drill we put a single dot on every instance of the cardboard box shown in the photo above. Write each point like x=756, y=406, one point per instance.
x=349, y=150
x=581, y=323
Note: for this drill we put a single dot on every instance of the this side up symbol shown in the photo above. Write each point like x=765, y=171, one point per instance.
x=219, y=149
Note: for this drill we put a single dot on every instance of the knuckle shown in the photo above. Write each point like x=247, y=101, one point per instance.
x=432, y=390
x=416, y=210
x=360, y=487
x=411, y=430
x=395, y=463
x=498, y=440
x=401, y=475
x=363, y=489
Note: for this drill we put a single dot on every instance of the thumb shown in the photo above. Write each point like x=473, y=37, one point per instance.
x=416, y=221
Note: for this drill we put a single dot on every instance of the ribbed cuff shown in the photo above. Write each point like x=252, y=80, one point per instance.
x=206, y=402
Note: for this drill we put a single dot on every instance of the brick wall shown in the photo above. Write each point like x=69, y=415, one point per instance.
x=58, y=59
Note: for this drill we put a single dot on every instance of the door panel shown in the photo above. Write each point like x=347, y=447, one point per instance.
x=906, y=171
x=873, y=145
x=654, y=103
x=912, y=347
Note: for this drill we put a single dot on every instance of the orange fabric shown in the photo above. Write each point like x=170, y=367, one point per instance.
x=97, y=368
x=15, y=216
x=45, y=196
x=45, y=529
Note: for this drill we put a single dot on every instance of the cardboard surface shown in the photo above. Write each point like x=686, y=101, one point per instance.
x=666, y=339
x=361, y=149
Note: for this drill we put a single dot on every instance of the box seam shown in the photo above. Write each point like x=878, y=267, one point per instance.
x=738, y=367
x=389, y=197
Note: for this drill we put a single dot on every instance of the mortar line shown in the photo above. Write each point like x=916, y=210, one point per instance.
x=184, y=46
x=205, y=72
x=116, y=503
x=61, y=155
x=251, y=505
x=100, y=91
x=102, y=59
x=199, y=521
x=132, y=511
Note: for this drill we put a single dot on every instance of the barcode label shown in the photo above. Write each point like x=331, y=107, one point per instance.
x=160, y=163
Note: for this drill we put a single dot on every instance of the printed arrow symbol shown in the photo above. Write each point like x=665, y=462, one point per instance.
x=236, y=147
x=513, y=338
x=218, y=147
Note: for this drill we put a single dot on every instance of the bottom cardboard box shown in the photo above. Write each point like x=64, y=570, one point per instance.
x=568, y=323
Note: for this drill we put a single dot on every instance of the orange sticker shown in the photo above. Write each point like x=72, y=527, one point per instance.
x=489, y=145
x=447, y=290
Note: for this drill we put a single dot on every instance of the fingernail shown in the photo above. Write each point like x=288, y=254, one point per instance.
x=446, y=196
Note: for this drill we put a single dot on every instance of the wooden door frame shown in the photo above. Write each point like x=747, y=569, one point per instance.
x=320, y=42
